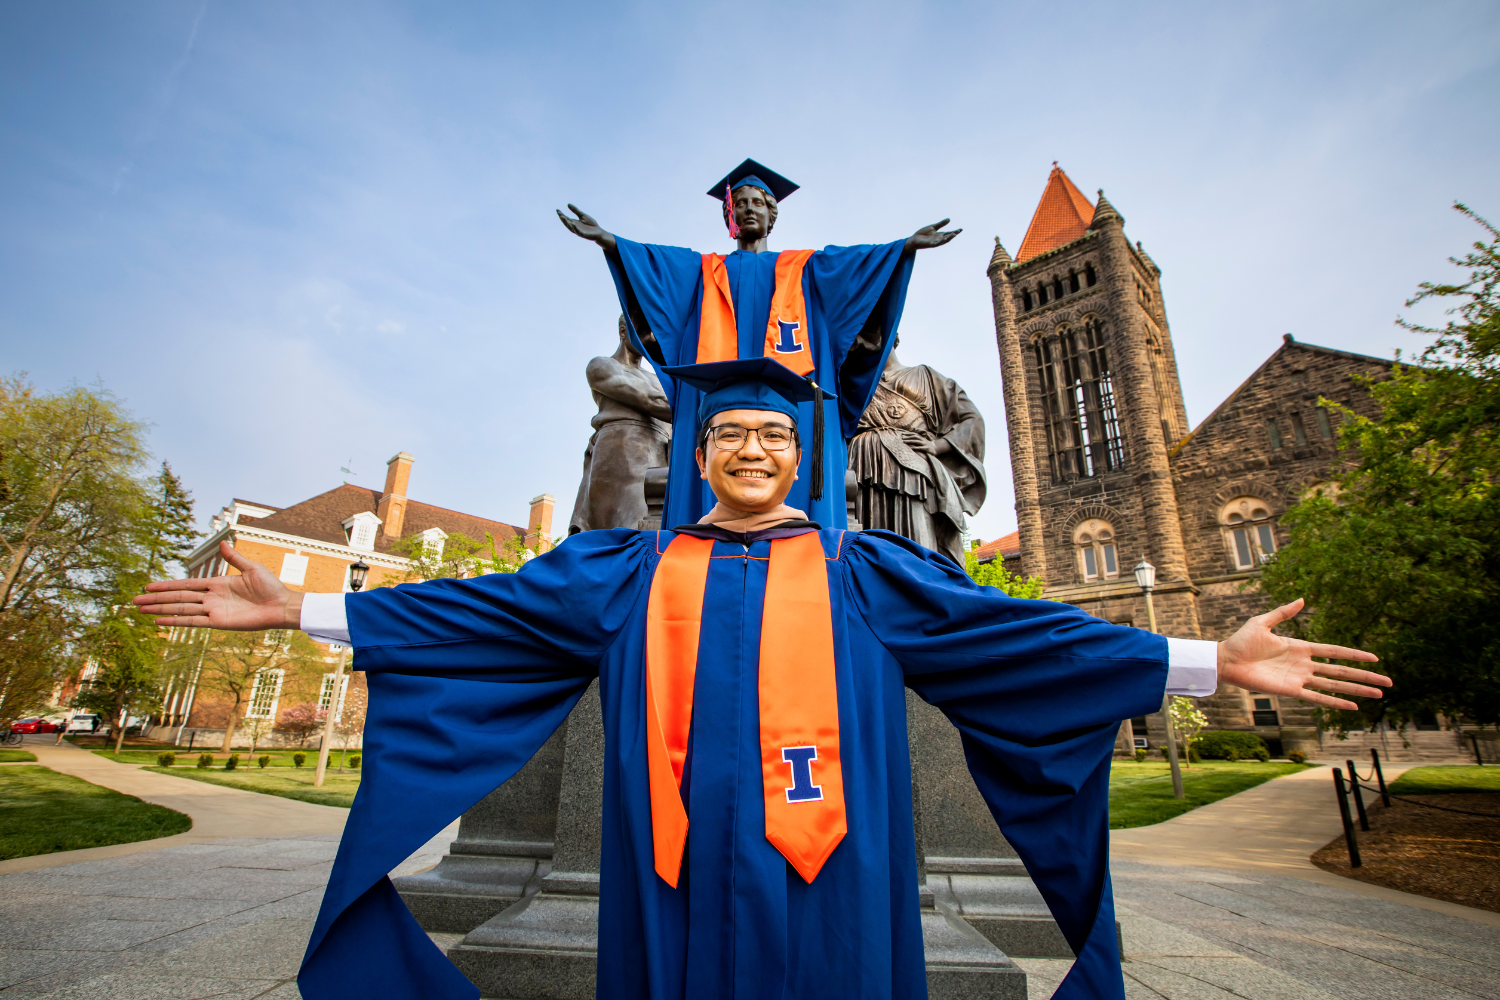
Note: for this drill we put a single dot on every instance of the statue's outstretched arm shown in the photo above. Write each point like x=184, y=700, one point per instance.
x=585, y=227
x=609, y=378
x=923, y=239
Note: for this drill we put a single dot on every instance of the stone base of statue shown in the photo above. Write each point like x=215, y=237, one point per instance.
x=504, y=844
x=970, y=867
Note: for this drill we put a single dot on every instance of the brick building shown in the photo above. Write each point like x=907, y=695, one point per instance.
x=1106, y=468
x=310, y=545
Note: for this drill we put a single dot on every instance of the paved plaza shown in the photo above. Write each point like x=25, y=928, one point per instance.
x=228, y=916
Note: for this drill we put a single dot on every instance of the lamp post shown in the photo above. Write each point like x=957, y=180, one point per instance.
x=1145, y=578
x=357, y=574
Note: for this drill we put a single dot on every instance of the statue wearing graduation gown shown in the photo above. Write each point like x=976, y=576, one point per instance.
x=805, y=308
x=918, y=455
x=631, y=433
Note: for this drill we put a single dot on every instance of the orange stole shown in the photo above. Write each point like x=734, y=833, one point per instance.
x=718, y=339
x=799, y=713
x=786, y=328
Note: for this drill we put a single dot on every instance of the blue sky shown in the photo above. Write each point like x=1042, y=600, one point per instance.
x=294, y=235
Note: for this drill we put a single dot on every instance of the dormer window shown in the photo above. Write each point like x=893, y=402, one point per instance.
x=361, y=530
x=433, y=540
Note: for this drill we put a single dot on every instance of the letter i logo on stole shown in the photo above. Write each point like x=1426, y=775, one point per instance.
x=788, y=343
x=803, y=789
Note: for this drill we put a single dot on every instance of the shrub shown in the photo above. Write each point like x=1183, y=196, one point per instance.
x=1219, y=744
x=233, y=762
x=298, y=759
x=166, y=759
x=263, y=759
x=354, y=760
x=1140, y=754
x=1296, y=756
x=205, y=760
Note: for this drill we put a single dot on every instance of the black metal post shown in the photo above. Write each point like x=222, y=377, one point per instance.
x=1349, y=837
x=1385, y=795
x=1478, y=757
x=1359, y=799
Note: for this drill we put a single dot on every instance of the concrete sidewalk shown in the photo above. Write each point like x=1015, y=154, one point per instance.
x=217, y=812
x=1222, y=902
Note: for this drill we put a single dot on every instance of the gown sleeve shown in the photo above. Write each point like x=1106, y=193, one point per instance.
x=661, y=293
x=1037, y=690
x=467, y=680
x=854, y=288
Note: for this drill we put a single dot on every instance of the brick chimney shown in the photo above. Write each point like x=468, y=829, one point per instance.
x=392, y=506
x=539, y=527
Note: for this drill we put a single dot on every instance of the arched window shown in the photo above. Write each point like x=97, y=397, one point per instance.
x=1249, y=531
x=1089, y=277
x=1094, y=541
x=1041, y=295
x=1057, y=291
x=1026, y=302
x=1073, y=281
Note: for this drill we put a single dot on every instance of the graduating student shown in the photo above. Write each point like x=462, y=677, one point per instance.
x=806, y=308
x=757, y=815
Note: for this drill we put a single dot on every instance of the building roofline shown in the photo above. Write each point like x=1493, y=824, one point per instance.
x=1288, y=342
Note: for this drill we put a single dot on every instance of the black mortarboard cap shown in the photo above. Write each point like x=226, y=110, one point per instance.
x=758, y=174
x=758, y=384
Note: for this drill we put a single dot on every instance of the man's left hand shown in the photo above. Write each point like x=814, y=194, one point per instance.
x=1260, y=660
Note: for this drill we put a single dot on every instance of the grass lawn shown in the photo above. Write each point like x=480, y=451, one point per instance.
x=15, y=756
x=42, y=812
x=290, y=783
x=1141, y=794
x=1453, y=778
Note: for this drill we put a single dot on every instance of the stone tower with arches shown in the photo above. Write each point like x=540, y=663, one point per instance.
x=1107, y=469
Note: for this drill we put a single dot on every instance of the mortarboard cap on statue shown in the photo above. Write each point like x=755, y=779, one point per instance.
x=757, y=174
x=758, y=384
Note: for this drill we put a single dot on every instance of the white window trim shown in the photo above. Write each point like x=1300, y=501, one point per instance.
x=357, y=525
x=1096, y=546
x=325, y=690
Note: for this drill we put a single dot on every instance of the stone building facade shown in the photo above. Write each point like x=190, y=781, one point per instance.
x=1108, y=472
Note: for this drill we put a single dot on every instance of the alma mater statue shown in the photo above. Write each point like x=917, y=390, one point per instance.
x=829, y=315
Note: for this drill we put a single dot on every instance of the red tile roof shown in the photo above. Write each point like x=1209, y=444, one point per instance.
x=322, y=517
x=1061, y=217
x=1004, y=547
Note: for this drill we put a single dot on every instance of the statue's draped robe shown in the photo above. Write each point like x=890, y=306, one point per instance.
x=468, y=678
x=917, y=495
x=625, y=443
x=848, y=291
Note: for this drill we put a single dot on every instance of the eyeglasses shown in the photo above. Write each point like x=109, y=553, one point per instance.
x=733, y=437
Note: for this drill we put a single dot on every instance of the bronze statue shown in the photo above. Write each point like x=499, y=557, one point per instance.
x=918, y=455
x=632, y=432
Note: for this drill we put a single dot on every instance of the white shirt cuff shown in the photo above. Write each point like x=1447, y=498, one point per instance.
x=1192, y=667
x=323, y=618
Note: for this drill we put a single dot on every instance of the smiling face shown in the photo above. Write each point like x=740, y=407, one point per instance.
x=751, y=479
x=754, y=212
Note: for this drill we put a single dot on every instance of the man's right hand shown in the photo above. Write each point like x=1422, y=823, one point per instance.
x=252, y=601
x=584, y=226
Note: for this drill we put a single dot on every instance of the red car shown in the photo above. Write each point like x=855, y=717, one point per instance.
x=33, y=726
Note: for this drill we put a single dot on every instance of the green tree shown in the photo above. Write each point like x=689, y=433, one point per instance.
x=165, y=527
x=127, y=651
x=994, y=574
x=1400, y=553
x=234, y=660
x=69, y=510
x=459, y=557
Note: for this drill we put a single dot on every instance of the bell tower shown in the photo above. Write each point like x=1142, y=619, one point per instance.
x=1094, y=406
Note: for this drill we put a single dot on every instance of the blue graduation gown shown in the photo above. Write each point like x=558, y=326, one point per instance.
x=844, y=287
x=468, y=678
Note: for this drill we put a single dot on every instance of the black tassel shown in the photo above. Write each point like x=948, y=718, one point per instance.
x=816, y=492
